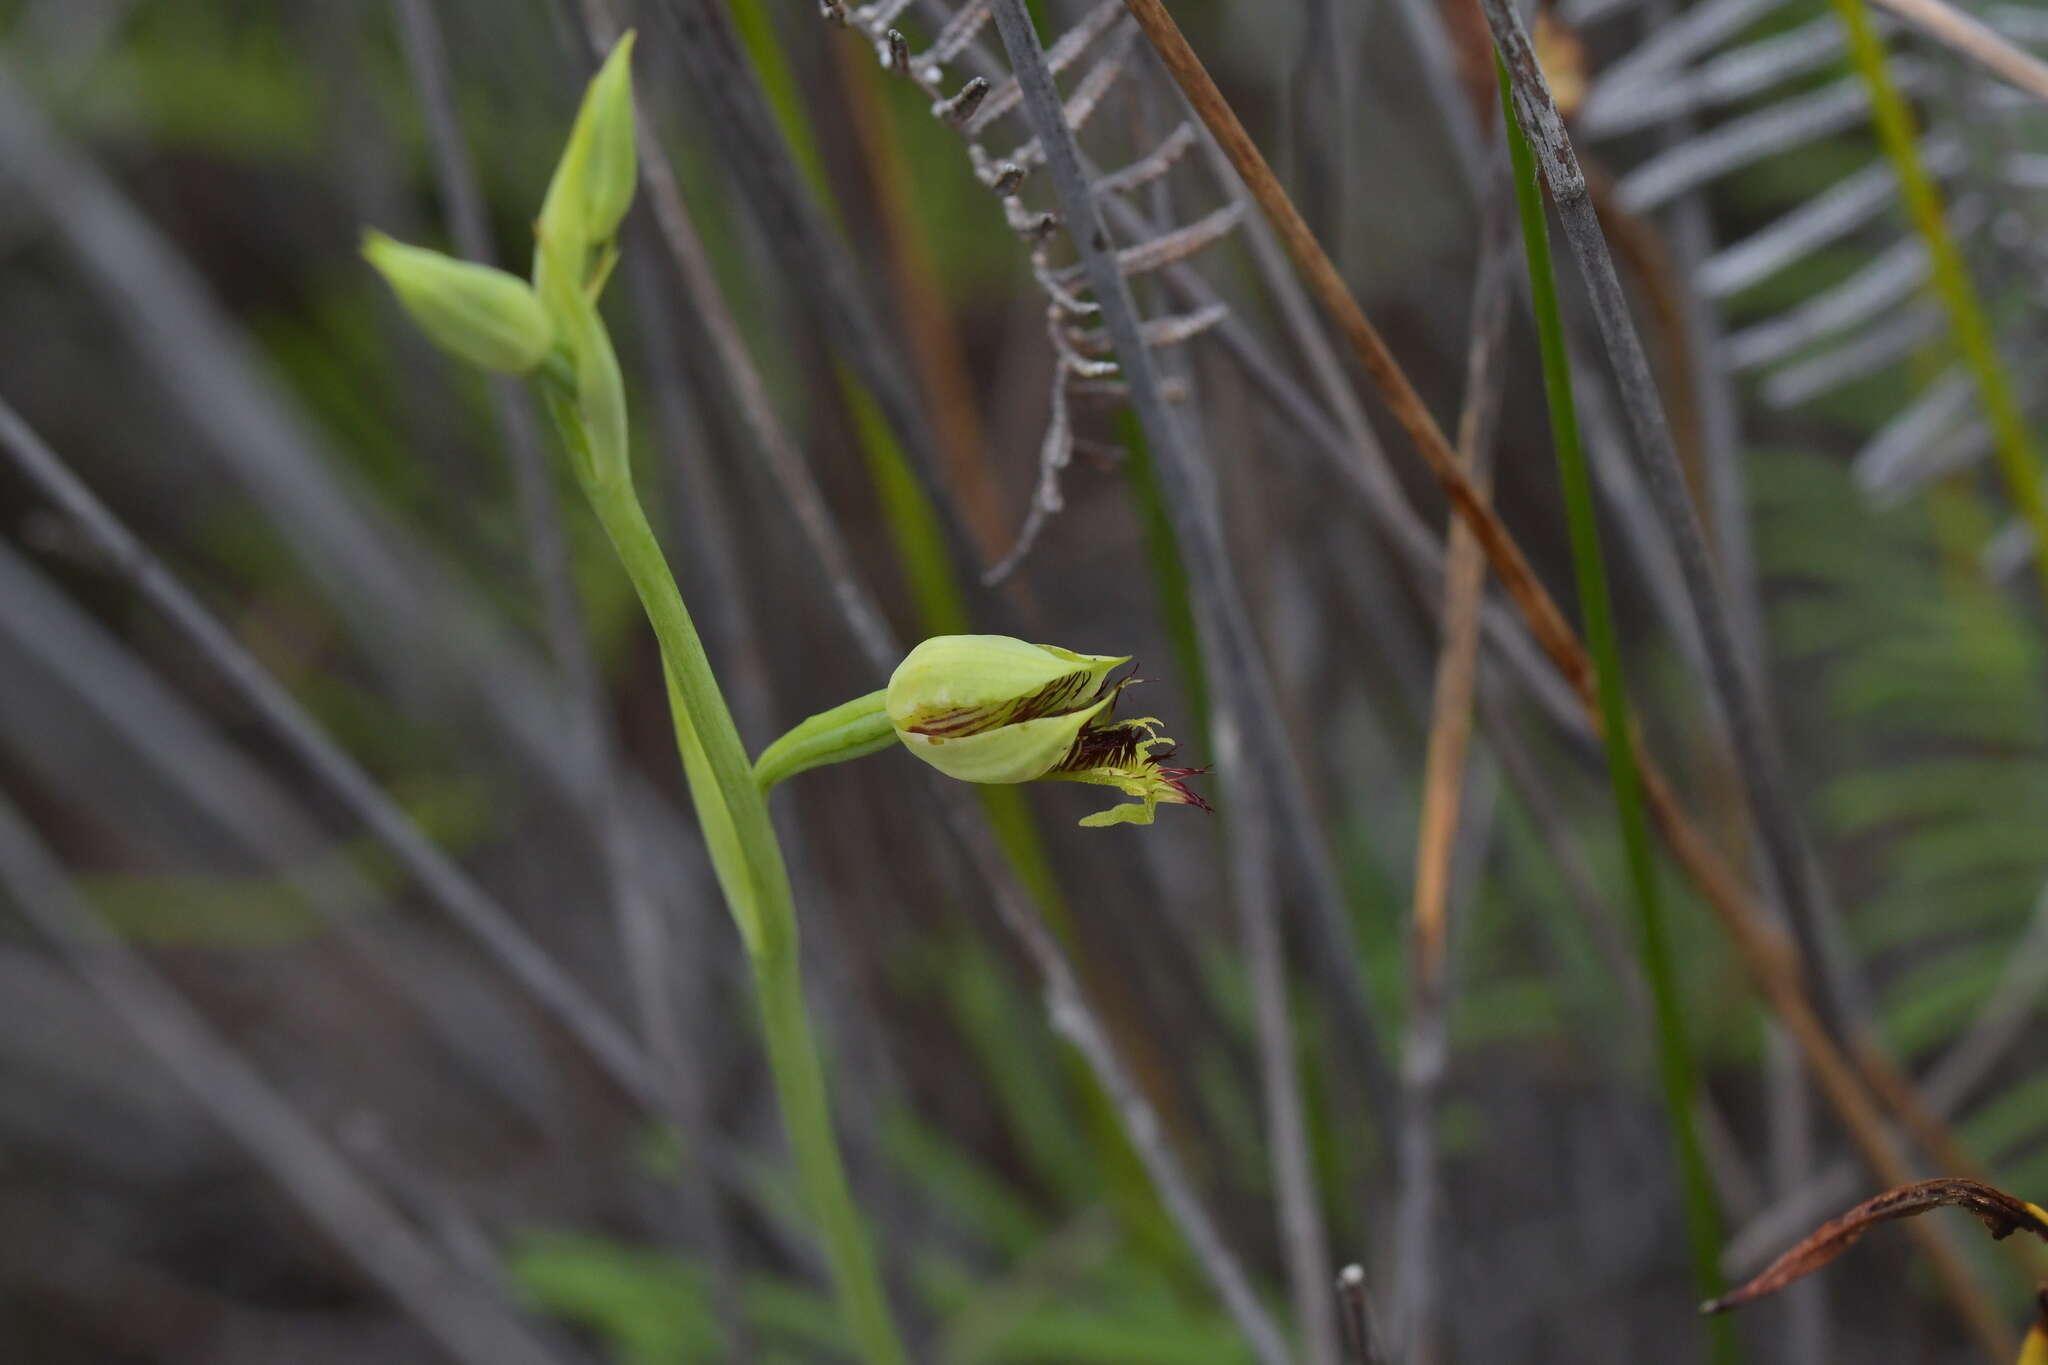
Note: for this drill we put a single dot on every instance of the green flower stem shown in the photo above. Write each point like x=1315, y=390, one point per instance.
x=2018, y=461
x=1674, y=1053
x=747, y=859
x=852, y=729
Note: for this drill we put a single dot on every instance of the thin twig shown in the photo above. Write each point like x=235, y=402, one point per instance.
x=1725, y=509
x=1071, y=1014
x=468, y=1320
x=749, y=391
x=1758, y=751
x=2001, y=1021
x=729, y=92
x=1971, y=37
x=934, y=338
x=408, y=614
x=1334, y=954
x=643, y=931
x=1244, y=734
x=173, y=741
x=449, y=888
x=1425, y=1050
x=1772, y=963
x=1362, y=1344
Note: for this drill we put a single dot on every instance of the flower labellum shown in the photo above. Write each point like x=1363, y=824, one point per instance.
x=988, y=708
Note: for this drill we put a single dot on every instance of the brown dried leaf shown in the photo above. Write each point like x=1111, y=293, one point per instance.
x=2000, y=1213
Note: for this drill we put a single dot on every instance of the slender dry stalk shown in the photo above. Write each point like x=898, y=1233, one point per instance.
x=1335, y=953
x=1244, y=729
x=1773, y=963
x=1758, y=752
x=2001, y=1022
x=177, y=743
x=1362, y=1344
x=1970, y=36
x=935, y=345
x=449, y=888
x=643, y=932
x=1465, y=578
x=1426, y=1048
x=1756, y=746
x=411, y=617
x=464, y=1315
x=1067, y=1005
x=1724, y=509
x=746, y=138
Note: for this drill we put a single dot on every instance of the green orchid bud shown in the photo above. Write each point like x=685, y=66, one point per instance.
x=957, y=687
x=481, y=315
x=987, y=708
x=593, y=182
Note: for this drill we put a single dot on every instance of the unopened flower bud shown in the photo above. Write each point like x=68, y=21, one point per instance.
x=593, y=182
x=987, y=708
x=482, y=315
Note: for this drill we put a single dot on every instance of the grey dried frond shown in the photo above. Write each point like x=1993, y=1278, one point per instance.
x=1983, y=141
x=1100, y=45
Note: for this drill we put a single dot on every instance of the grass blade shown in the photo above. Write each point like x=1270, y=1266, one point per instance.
x=1675, y=1065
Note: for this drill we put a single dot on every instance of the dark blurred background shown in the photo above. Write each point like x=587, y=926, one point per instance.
x=186, y=324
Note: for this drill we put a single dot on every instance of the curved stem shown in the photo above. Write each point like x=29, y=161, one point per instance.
x=747, y=859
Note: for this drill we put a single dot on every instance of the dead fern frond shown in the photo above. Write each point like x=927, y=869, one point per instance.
x=1982, y=144
x=1101, y=44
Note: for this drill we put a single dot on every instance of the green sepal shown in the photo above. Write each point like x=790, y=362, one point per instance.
x=1019, y=752
x=957, y=685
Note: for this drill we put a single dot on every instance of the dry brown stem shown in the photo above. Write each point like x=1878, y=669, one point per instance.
x=1771, y=960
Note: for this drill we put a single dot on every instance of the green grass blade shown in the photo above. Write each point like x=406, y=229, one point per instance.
x=1675, y=1066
